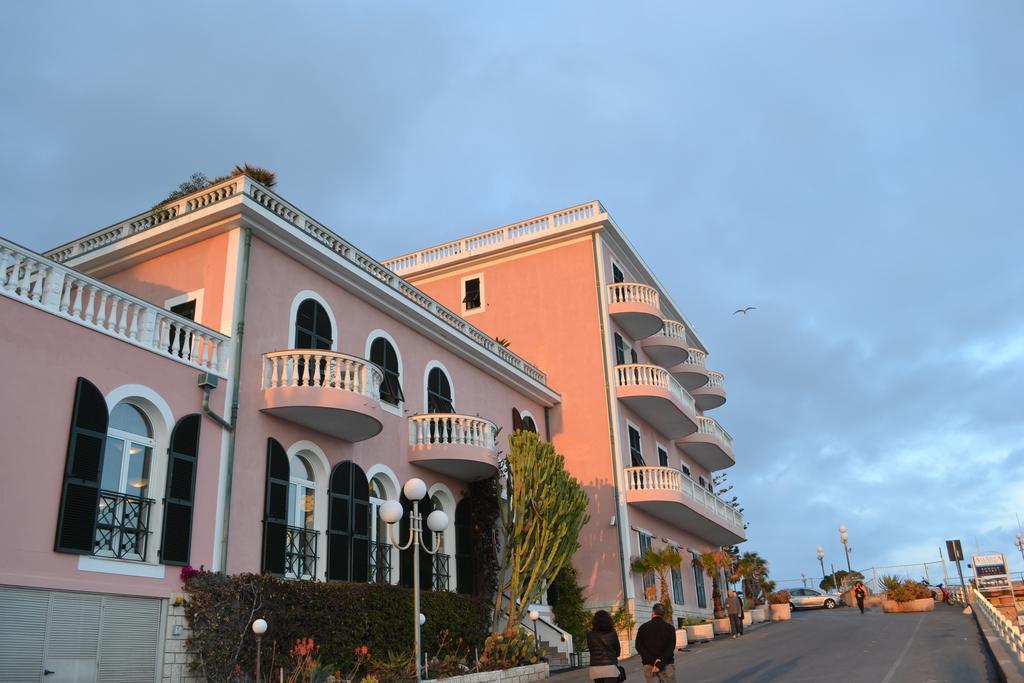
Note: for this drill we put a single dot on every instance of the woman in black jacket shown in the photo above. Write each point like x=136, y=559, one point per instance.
x=603, y=643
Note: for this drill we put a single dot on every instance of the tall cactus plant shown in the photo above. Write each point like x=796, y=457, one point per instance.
x=540, y=516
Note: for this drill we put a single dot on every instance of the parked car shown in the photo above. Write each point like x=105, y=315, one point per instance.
x=808, y=598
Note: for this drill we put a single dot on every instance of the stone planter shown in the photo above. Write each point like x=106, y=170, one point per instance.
x=520, y=674
x=922, y=605
x=757, y=615
x=700, y=633
x=721, y=627
x=780, y=612
x=681, y=641
x=625, y=647
x=748, y=618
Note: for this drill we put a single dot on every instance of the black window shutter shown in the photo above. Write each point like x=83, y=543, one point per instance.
x=360, y=525
x=76, y=519
x=339, y=523
x=179, y=496
x=426, y=506
x=465, y=557
x=517, y=420
x=275, y=510
x=348, y=524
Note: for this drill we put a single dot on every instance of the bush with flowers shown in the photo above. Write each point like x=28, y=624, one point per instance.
x=338, y=627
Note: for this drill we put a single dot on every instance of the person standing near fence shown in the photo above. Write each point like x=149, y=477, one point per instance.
x=735, y=608
x=860, y=592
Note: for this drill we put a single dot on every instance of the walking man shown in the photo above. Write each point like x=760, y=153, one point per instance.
x=735, y=608
x=860, y=592
x=656, y=643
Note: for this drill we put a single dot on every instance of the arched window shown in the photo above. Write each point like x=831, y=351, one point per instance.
x=528, y=424
x=123, y=517
x=348, y=533
x=439, y=392
x=313, y=326
x=383, y=354
x=300, y=555
x=465, y=559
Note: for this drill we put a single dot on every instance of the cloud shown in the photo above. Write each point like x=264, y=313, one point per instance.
x=853, y=170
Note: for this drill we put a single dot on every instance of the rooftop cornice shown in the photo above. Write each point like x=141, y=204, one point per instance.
x=564, y=222
x=242, y=195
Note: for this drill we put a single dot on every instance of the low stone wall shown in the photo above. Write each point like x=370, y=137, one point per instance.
x=176, y=659
x=921, y=605
x=520, y=674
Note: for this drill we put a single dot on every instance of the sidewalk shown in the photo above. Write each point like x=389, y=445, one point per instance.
x=634, y=670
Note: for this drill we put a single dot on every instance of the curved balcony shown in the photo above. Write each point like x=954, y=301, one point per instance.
x=668, y=494
x=692, y=373
x=656, y=397
x=459, y=446
x=330, y=392
x=667, y=347
x=712, y=394
x=710, y=445
x=635, y=307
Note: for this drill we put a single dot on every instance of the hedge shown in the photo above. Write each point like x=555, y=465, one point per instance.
x=340, y=617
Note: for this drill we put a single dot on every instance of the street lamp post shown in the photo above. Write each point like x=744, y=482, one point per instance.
x=534, y=616
x=259, y=627
x=844, y=537
x=821, y=561
x=437, y=521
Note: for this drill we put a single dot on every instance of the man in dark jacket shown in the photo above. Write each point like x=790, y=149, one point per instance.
x=656, y=643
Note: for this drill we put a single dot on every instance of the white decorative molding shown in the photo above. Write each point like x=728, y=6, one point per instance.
x=101, y=565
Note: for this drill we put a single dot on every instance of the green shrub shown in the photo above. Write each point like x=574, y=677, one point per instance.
x=568, y=609
x=340, y=617
x=503, y=651
x=908, y=590
x=692, y=621
x=779, y=598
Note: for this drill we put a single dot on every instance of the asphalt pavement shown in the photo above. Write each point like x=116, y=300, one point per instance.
x=837, y=645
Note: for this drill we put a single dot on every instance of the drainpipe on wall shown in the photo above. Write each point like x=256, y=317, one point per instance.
x=620, y=518
x=243, y=285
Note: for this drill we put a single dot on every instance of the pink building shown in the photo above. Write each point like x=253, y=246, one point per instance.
x=569, y=292
x=223, y=382
x=226, y=382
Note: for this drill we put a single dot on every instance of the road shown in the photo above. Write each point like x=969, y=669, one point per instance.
x=837, y=645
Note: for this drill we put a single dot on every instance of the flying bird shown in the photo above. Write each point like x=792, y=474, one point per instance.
x=744, y=310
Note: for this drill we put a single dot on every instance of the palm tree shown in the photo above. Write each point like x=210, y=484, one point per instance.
x=750, y=568
x=713, y=562
x=660, y=562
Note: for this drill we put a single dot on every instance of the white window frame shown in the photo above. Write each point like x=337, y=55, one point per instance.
x=294, y=310
x=198, y=295
x=483, y=295
x=426, y=376
x=629, y=451
x=321, y=466
x=373, y=336
x=659, y=447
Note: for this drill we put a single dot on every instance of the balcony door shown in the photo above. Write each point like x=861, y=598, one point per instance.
x=313, y=330
x=302, y=537
x=122, y=519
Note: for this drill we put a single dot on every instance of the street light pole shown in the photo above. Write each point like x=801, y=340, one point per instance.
x=821, y=561
x=534, y=615
x=844, y=537
x=437, y=521
x=1020, y=547
x=259, y=627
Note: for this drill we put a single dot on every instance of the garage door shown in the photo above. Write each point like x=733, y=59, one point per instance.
x=59, y=637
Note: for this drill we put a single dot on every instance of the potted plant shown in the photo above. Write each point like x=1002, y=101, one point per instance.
x=906, y=596
x=698, y=629
x=713, y=563
x=779, y=603
x=681, y=639
x=748, y=607
x=624, y=623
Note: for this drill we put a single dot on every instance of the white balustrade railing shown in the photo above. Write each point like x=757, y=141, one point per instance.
x=673, y=480
x=449, y=428
x=710, y=427
x=633, y=293
x=320, y=369
x=41, y=283
x=1009, y=632
x=674, y=330
x=499, y=238
x=644, y=375
x=716, y=380
x=248, y=189
x=698, y=358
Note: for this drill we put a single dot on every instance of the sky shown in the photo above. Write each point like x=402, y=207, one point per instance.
x=853, y=170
